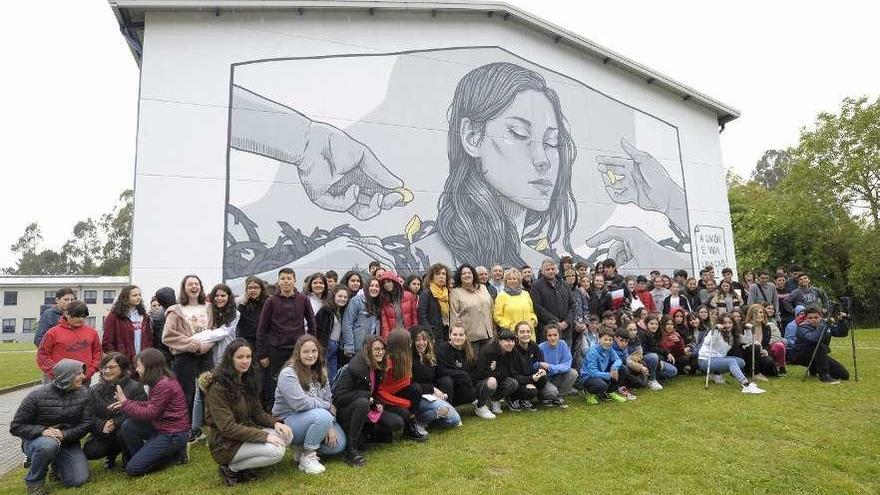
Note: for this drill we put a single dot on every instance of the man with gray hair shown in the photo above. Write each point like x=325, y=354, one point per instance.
x=553, y=302
x=483, y=278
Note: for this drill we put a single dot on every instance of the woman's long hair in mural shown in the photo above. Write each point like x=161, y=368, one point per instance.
x=471, y=220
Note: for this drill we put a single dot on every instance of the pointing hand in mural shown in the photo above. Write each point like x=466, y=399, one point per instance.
x=630, y=246
x=642, y=180
x=337, y=172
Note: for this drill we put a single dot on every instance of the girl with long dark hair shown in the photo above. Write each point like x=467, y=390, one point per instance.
x=316, y=290
x=434, y=302
x=360, y=320
x=424, y=374
x=127, y=327
x=329, y=324
x=242, y=435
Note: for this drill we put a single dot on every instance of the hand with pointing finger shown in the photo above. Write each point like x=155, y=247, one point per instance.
x=632, y=247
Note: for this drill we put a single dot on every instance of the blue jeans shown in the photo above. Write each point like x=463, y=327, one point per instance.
x=69, y=461
x=311, y=427
x=656, y=368
x=332, y=359
x=198, y=411
x=426, y=413
x=729, y=363
x=159, y=449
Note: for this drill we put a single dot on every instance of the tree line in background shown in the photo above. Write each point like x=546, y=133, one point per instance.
x=95, y=247
x=817, y=205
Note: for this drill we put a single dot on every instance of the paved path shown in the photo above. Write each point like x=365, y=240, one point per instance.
x=11, y=456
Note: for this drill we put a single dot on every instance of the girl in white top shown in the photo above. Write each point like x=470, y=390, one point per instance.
x=713, y=356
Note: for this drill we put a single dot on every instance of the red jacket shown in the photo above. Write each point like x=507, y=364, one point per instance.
x=645, y=297
x=388, y=387
x=119, y=335
x=408, y=304
x=672, y=343
x=62, y=341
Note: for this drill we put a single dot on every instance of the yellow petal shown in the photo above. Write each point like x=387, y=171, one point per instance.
x=406, y=193
x=611, y=177
x=413, y=227
x=542, y=244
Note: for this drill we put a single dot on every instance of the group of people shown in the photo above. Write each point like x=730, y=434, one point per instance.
x=350, y=361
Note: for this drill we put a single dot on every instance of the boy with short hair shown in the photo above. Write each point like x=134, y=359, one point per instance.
x=627, y=377
x=286, y=316
x=51, y=317
x=557, y=357
x=71, y=338
x=601, y=370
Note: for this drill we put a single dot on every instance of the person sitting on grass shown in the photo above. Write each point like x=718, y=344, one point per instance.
x=159, y=437
x=424, y=374
x=304, y=401
x=492, y=375
x=713, y=357
x=242, y=436
x=628, y=378
x=105, y=439
x=601, y=371
x=397, y=392
x=50, y=421
x=558, y=358
x=354, y=394
x=812, y=344
x=673, y=344
x=455, y=360
x=530, y=370
x=656, y=359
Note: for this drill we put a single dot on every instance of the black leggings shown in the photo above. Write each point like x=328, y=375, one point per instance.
x=102, y=445
x=187, y=367
x=353, y=417
x=458, y=388
x=503, y=388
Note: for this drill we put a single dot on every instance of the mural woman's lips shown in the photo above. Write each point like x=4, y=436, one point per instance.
x=543, y=186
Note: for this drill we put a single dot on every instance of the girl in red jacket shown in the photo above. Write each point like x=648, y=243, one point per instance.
x=127, y=327
x=399, y=308
x=671, y=342
x=396, y=390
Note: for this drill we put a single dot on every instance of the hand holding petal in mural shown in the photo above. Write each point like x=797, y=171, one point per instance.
x=341, y=174
x=633, y=248
x=642, y=180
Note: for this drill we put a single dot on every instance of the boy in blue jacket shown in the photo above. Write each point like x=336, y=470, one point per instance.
x=601, y=370
x=628, y=379
x=557, y=363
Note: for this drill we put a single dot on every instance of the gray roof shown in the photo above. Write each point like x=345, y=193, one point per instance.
x=60, y=280
x=130, y=15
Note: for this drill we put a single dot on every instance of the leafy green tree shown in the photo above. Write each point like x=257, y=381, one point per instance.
x=772, y=167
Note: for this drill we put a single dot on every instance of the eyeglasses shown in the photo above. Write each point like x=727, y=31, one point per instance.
x=379, y=350
x=110, y=367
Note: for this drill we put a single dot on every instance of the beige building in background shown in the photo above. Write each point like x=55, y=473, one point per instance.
x=25, y=298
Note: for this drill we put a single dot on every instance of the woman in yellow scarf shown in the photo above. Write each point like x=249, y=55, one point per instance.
x=434, y=302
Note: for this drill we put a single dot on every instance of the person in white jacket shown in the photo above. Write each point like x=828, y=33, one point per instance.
x=714, y=346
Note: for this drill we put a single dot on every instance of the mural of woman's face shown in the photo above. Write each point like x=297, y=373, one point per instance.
x=519, y=150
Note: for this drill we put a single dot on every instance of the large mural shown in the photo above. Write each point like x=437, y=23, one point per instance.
x=455, y=155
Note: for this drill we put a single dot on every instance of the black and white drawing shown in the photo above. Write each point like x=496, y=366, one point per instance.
x=455, y=155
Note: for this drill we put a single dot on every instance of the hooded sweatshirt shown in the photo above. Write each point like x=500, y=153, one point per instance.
x=63, y=341
x=400, y=310
x=791, y=328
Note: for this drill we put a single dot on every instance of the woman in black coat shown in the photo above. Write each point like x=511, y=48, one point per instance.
x=104, y=440
x=434, y=303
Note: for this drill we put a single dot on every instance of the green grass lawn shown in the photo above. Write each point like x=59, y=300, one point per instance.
x=19, y=364
x=799, y=437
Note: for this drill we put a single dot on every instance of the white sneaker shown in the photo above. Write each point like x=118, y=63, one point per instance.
x=654, y=385
x=310, y=464
x=761, y=378
x=718, y=379
x=495, y=408
x=751, y=388
x=484, y=412
x=297, y=453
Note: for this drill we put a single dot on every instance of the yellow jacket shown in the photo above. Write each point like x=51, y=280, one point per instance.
x=510, y=310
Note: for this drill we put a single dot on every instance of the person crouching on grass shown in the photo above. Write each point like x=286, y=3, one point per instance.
x=713, y=357
x=529, y=369
x=601, y=371
x=558, y=358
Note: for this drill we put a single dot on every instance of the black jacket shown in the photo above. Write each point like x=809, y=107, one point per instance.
x=522, y=362
x=49, y=406
x=600, y=302
x=651, y=343
x=324, y=324
x=248, y=316
x=808, y=336
x=429, y=314
x=423, y=375
x=101, y=395
x=354, y=382
x=491, y=353
x=552, y=303
x=157, y=326
x=452, y=362
x=683, y=302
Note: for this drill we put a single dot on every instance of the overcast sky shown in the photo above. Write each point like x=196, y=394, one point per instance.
x=68, y=95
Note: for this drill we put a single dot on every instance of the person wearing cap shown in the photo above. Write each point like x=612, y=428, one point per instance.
x=50, y=421
x=71, y=339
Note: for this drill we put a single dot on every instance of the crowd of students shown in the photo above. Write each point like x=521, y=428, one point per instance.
x=348, y=362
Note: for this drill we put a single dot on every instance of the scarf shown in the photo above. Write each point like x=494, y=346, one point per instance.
x=513, y=292
x=441, y=294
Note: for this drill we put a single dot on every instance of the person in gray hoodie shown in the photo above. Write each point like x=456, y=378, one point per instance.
x=51, y=420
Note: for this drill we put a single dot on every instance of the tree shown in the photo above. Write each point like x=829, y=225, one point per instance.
x=116, y=226
x=772, y=167
x=843, y=151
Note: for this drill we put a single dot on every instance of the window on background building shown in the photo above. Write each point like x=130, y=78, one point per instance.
x=90, y=296
x=10, y=298
x=103, y=319
x=8, y=325
x=28, y=325
x=90, y=321
x=49, y=297
x=109, y=296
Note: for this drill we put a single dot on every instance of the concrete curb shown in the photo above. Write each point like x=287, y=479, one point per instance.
x=19, y=386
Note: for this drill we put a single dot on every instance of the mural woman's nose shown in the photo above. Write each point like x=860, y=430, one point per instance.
x=539, y=157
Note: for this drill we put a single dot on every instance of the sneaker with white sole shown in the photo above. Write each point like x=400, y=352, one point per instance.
x=484, y=412
x=309, y=463
x=718, y=379
x=495, y=407
x=654, y=385
x=830, y=380
x=514, y=405
x=751, y=388
x=626, y=393
x=761, y=378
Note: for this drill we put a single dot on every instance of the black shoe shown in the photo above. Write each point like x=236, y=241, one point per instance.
x=353, y=457
x=829, y=380
x=36, y=489
x=110, y=462
x=548, y=403
x=412, y=432
x=515, y=405
x=527, y=405
x=229, y=477
x=195, y=435
x=782, y=371
x=246, y=475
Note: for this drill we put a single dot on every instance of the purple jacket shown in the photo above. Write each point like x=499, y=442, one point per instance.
x=165, y=408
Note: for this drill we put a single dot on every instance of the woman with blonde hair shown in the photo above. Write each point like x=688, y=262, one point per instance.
x=514, y=304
